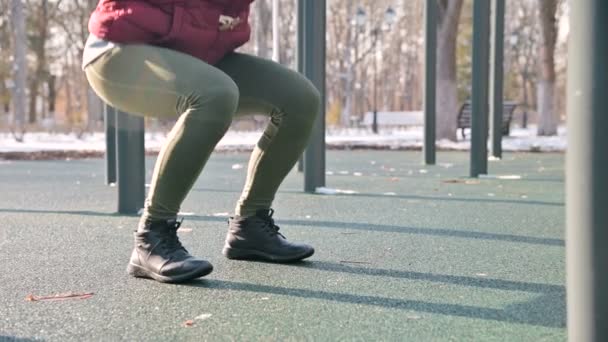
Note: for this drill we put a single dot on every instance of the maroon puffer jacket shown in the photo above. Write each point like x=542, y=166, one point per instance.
x=207, y=29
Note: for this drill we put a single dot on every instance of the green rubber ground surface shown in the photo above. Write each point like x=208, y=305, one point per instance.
x=416, y=254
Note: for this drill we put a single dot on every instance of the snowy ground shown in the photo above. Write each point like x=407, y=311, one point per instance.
x=519, y=140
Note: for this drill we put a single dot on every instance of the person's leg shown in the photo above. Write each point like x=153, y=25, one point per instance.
x=152, y=81
x=293, y=104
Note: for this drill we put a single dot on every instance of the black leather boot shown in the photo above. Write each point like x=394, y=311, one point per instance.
x=258, y=238
x=159, y=255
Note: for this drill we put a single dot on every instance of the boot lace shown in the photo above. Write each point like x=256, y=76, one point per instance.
x=269, y=224
x=171, y=241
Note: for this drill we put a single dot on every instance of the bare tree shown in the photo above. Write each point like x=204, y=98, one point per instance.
x=521, y=54
x=263, y=25
x=547, y=115
x=40, y=15
x=20, y=69
x=447, y=91
x=5, y=59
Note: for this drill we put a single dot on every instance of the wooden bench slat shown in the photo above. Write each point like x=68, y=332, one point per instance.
x=465, y=116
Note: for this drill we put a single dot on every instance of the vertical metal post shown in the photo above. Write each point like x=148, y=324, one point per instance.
x=497, y=76
x=300, y=56
x=130, y=161
x=314, y=68
x=586, y=170
x=430, y=81
x=276, y=53
x=481, y=59
x=109, y=114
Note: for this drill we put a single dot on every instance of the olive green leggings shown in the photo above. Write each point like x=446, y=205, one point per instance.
x=157, y=82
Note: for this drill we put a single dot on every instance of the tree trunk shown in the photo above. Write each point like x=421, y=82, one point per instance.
x=33, y=103
x=547, y=123
x=547, y=115
x=19, y=96
x=262, y=27
x=447, y=91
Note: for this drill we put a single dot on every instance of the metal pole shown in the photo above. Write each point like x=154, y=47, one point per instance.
x=314, y=69
x=300, y=56
x=276, y=56
x=481, y=58
x=130, y=161
x=430, y=81
x=109, y=114
x=586, y=170
x=497, y=76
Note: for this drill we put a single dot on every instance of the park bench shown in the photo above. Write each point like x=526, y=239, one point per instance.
x=464, y=116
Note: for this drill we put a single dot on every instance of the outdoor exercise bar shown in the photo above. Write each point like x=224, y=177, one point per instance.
x=313, y=51
x=587, y=172
x=481, y=62
x=497, y=77
x=430, y=81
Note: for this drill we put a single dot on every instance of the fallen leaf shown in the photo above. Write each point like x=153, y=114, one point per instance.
x=57, y=297
x=460, y=181
x=453, y=181
x=189, y=323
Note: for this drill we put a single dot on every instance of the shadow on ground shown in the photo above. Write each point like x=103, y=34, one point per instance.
x=415, y=197
x=344, y=225
x=547, y=310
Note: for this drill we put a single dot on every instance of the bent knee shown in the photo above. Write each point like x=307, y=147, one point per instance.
x=306, y=103
x=215, y=104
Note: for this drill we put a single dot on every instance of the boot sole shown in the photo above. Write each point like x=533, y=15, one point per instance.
x=140, y=272
x=251, y=254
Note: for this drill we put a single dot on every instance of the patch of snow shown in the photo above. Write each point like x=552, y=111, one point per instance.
x=520, y=139
x=220, y=214
x=331, y=191
x=500, y=176
x=203, y=317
